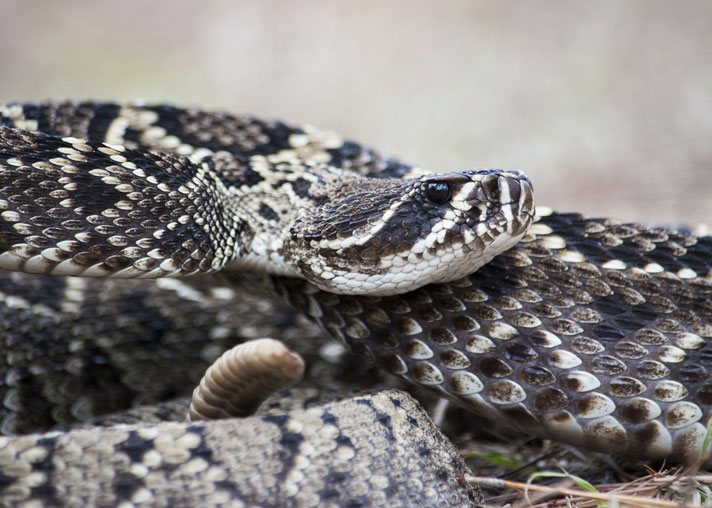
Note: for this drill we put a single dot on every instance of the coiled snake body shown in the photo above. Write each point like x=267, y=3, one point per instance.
x=587, y=331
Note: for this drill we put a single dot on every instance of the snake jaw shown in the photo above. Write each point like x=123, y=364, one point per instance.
x=400, y=235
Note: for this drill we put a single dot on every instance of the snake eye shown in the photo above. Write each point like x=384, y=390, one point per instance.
x=438, y=192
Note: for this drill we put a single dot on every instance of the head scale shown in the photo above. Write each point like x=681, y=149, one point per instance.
x=391, y=236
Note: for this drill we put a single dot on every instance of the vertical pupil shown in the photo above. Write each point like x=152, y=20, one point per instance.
x=438, y=192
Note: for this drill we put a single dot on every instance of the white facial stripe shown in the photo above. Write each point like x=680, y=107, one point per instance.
x=503, y=190
x=459, y=200
x=507, y=212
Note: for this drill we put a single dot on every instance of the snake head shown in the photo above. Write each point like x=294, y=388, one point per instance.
x=390, y=236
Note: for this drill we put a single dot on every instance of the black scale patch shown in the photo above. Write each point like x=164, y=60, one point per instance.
x=103, y=116
x=267, y=212
x=174, y=121
x=48, y=291
x=290, y=442
x=350, y=155
x=245, y=177
x=135, y=446
x=45, y=491
x=202, y=450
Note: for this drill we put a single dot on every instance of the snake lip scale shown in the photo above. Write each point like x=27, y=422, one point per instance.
x=588, y=331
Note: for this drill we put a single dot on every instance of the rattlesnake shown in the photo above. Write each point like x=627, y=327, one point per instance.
x=590, y=331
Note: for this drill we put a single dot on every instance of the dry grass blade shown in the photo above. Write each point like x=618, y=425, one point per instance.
x=684, y=490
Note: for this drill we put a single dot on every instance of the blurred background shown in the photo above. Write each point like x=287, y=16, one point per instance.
x=606, y=105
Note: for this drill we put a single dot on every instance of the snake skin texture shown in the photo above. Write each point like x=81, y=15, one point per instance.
x=589, y=331
x=93, y=210
x=328, y=456
x=112, y=344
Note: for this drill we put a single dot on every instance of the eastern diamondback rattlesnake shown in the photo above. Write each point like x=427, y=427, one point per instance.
x=588, y=331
